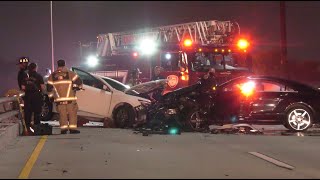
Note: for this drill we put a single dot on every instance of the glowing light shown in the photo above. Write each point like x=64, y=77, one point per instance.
x=147, y=47
x=135, y=54
x=187, y=42
x=184, y=77
x=243, y=44
x=200, y=49
x=168, y=56
x=173, y=131
x=92, y=61
x=215, y=50
x=247, y=88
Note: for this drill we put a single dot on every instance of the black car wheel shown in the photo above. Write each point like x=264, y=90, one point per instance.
x=299, y=118
x=124, y=117
x=46, y=111
x=196, y=121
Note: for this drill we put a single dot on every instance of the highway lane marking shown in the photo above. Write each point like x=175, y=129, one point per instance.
x=33, y=158
x=271, y=160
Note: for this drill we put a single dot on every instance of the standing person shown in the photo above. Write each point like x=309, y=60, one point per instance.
x=135, y=77
x=209, y=80
x=157, y=74
x=62, y=86
x=22, y=74
x=156, y=95
x=33, y=86
x=209, y=84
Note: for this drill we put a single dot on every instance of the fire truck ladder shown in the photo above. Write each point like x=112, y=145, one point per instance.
x=202, y=32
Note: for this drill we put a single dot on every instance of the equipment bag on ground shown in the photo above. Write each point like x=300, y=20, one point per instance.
x=42, y=129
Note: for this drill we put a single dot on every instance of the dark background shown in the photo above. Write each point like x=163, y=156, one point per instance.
x=25, y=26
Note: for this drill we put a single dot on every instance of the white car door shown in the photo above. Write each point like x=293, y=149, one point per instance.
x=96, y=98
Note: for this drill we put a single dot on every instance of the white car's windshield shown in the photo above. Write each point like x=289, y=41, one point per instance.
x=115, y=84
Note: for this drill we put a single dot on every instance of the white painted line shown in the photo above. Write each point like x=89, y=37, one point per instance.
x=271, y=160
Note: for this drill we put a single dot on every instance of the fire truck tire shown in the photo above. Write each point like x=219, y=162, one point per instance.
x=124, y=116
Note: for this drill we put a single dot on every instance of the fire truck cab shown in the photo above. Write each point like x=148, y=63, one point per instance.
x=184, y=51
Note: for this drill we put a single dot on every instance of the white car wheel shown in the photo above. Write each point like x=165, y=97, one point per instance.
x=299, y=119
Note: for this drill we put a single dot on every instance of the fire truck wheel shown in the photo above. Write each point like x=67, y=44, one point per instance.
x=124, y=116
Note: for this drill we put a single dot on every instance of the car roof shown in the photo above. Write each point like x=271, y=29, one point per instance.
x=292, y=83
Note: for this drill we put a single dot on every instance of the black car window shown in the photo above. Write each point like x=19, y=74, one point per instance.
x=233, y=86
x=268, y=86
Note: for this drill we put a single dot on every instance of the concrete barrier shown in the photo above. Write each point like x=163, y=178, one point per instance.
x=10, y=124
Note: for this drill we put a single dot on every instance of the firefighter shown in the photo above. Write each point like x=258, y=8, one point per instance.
x=33, y=86
x=157, y=72
x=156, y=96
x=209, y=80
x=22, y=74
x=135, y=79
x=209, y=84
x=62, y=86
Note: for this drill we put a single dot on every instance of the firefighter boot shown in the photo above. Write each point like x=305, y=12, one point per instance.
x=74, y=131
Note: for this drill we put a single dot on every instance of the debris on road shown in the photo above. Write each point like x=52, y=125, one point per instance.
x=235, y=129
x=64, y=171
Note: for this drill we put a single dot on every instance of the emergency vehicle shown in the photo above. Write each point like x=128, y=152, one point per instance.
x=184, y=51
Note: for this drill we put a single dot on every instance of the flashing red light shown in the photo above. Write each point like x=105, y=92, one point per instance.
x=135, y=54
x=243, y=44
x=247, y=88
x=187, y=43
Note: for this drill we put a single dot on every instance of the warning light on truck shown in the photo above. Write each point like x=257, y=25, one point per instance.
x=243, y=44
x=187, y=43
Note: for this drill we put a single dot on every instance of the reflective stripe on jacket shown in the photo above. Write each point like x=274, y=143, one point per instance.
x=60, y=85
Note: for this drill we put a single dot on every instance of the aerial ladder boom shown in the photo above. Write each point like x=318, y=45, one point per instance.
x=211, y=32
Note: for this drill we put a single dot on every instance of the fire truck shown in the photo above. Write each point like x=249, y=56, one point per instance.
x=184, y=51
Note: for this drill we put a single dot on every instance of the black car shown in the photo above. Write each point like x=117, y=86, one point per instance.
x=266, y=100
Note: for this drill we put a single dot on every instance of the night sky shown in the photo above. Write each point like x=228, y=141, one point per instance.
x=25, y=26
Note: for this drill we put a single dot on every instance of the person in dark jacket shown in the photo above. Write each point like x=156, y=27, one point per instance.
x=33, y=86
x=22, y=74
x=209, y=81
x=157, y=74
x=209, y=84
x=134, y=77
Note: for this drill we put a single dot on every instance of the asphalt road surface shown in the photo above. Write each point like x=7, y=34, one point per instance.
x=118, y=153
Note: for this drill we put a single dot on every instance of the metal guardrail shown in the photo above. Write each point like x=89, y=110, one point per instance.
x=9, y=108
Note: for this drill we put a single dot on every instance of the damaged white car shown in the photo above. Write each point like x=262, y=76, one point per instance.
x=104, y=97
